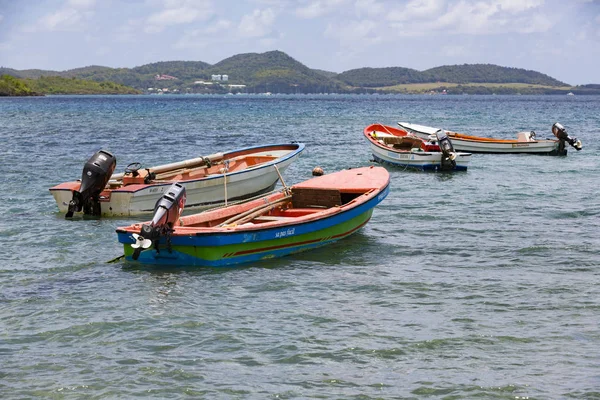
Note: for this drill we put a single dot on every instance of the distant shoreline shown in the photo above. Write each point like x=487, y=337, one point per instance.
x=277, y=72
x=376, y=94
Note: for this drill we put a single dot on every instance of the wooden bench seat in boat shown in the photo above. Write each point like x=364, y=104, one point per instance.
x=311, y=197
x=402, y=142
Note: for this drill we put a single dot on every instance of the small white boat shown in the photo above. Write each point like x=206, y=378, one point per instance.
x=526, y=142
x=397, y=147
x=209, y=181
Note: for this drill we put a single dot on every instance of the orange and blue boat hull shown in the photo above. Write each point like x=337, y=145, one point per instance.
x=231, y=248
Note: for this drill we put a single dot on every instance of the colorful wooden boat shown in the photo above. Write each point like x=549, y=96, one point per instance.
x=526, y=142
x=398, y=147
x=209, y=181
x=310, y=214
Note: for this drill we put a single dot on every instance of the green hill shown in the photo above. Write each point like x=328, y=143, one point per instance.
x=11, y=86
x=380, y=77
x=327, y=74
x=180, y=69
x=60, y=85
x=467, y=73
x=273, y=71
x=27, y=73
x=488, y=73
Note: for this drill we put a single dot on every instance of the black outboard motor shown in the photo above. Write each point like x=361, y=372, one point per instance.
x=561, y=133
x=96, y=174
x=448, y=153
x=166, y=213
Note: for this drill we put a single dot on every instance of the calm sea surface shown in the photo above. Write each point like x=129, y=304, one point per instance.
x=483, y=284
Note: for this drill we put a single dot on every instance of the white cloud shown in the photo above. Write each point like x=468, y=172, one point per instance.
x=516, y=6
x=318, y=8
x=217, y=32
x=66, y=19
x=129, y=31
x=103, y=50
x=221, y=25
x=468, y=17
x=268, y=43
x=356, y=34
x=427, y=17
x=72, y=17
x=275, y=3
x=174, y=16
x=81, y=3
x=418, y=9
x=179, y=12
x=369, y=7
x=536, y=23
x=454, y=51
x=257, y=24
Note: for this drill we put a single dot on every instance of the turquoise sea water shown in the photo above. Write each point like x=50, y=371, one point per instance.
x=482, y=284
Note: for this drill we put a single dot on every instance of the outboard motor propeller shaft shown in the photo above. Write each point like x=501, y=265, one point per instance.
x=96, y=174
x=166, y=213
x=561, y=133
x=448, y=153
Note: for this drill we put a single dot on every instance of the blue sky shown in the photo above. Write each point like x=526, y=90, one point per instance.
x=560, y=38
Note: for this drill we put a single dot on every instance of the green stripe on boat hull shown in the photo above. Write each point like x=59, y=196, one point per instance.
x=216, y=256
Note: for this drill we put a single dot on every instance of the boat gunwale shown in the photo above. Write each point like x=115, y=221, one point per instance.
x=133, y=188
x=370, y=194
x=481, y=139
x=229, y=234
x=476, y=139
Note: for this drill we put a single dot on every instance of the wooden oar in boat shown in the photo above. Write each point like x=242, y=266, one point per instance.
x=191, y=163
x=253, y=213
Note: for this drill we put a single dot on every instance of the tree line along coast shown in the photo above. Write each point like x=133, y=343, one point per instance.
x=277, y=72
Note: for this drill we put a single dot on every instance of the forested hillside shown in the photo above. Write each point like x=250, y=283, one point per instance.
x=11, y=86
x=467, y=73
x=60, y=85
x=488, y=73
x=380, y=77
x=273, y=71
x=277, y=72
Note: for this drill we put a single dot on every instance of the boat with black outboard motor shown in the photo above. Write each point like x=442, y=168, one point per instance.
x=526, y=142
x=210, y=181
x=307, y=215
x=398, y=147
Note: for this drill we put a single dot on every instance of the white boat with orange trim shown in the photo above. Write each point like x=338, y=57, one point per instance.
x=400, y=148
x=310, y=214
x=526, y=142
x=209, y=180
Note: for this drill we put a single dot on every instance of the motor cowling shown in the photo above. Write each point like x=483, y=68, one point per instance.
x=96, y=174
x=561, y=134
x=448, y=153
x=167, y=211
